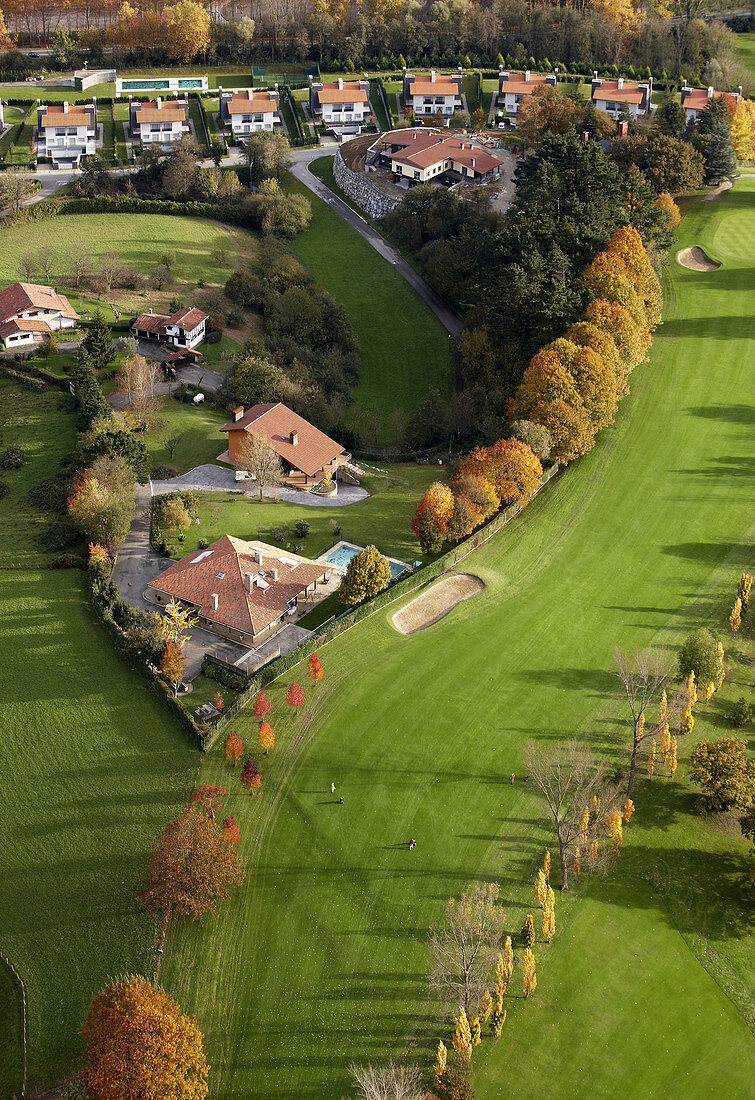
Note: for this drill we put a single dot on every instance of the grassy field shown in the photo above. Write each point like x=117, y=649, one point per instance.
x=382, y=519
x=139, y=239
x=319, y=958
x=746, y=52
x=404, y=349
x=201, y=441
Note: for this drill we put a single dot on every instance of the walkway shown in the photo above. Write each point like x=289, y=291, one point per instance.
x=220, y=477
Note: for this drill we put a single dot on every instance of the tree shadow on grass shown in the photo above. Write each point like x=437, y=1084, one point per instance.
x=711, y=552
x=732, y=414
x=597, y=681
x=726, y=466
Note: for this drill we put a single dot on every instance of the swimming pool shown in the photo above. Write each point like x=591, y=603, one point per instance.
x=342, y=553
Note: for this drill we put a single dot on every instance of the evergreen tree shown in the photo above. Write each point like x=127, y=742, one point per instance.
x=98, y=342
x=89, y=396
x=671, y=118
x=720, y=158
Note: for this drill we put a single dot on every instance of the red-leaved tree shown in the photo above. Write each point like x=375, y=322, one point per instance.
x=250, y=776
x=209, y=797
x=261, y=705
x=231, y=831
x=295, y=695
x=314, y=665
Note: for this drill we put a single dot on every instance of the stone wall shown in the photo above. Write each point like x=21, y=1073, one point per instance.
x=361, y=190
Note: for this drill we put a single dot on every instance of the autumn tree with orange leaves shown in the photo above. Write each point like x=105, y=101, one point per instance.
x=234, y=747
x=434, y=510
x=172, y=664
x=231, y=831
x=261, y=704
x=250, y=777
x=191, y=868
x=209, y=797
x=140, y=1046
x=295, y=695
x=266, y=736
x=509, y=466
x=314, y=667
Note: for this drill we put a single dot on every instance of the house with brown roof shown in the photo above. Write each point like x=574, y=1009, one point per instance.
x=432, y=93
x=612, y=96
x=343, y=105
x=158, y=122
x=696, y=101
x=28, y=311
x=66, y=132
x=184, y=329
x=307, y=454
x=434, y=156
x=513, y=87
x=247, y=111
x=243, y=591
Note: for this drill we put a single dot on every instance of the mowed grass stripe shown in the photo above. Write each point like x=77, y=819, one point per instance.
x=320, y=959
x=405, y=350
x=93, y=767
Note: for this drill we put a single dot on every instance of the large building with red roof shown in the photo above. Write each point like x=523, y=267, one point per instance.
x=696, y=101
x=184, y=329
x=343, y=105
x=513, y=87
x=434, y=156
x=432, y=93
x=245, y=112
x=160, y=121
x=66, y=132
x=243, y=591
x=613, y=96
x=28, y=311
x=307, y=454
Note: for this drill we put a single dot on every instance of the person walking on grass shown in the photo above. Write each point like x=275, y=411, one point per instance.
x=513, y=777
x=412, y=845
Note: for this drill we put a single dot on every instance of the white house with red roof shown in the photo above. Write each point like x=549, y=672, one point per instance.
x=513, y=87
x=185, y=329
x=433, y=93
x=28, y=311
x=612, y=96
x=243, y=591
x=66, y=132
x=429, y=156
x=160, y=122
x=343, y=105
x=245, y=112
x=696, y=101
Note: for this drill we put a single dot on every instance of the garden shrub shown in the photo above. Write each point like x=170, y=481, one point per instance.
x=163, y=471
x=50, y=494
x=60, y=536
x=4, y=489
x=12, y=457
x=741, y=713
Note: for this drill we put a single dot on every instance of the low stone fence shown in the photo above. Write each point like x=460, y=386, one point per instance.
x=361, y=190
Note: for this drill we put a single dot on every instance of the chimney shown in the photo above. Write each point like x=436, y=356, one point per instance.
x=623, y=129
x=159, y=102
x=500, y=70
x=65, y=106
x=739, y=90
x=238, y=412
x=555, y=73
x=273, y=575
x=527, y=76
x=585, y=136
x=149, y=311
x=258, y=556
x=248, y=579
x=214, y=601
x=294, y=437
x=595, y=74
x=432, y=76
x=340, y=84
x=473, y=162
x=710, y=93
x=620, y=83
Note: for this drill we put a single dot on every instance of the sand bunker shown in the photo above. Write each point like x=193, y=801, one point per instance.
x=696, y=260
x=437, y=602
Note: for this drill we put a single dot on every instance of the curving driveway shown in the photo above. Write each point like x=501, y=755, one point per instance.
x=210, y=476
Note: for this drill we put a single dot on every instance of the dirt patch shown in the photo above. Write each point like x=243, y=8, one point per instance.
x=437, y=602
x=696, y=260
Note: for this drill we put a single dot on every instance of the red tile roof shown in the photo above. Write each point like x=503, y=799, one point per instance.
x=442, y=85
x=275, y=423
x=188, y=318
x=20, y=297
x=55, y=115
x=518, y=83
x=28, y=325
x=350, y=93
x=240, y=104
x=424, y=148
x=151, y=322
x=166, y=112
x=196, y=579
x=629, y=92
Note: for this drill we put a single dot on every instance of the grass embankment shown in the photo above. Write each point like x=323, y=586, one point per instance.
x=21, y=152
x=319, y=959
x=93, y=767
x=376, y=102
x=382, y=519
x=746, y=52
x=323, y=169
x=405, y=350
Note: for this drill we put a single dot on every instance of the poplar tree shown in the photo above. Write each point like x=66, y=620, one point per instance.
x=528, y=931
x=743, y=589
x=529, y=977
x=440, y=1061
x=651, y=760
x=547, y=866
x=540, y=888
x=508, y=960
x=592, y=856
x=462, y=1038
x=735, y=619
x=672, y=757
x=628, y=810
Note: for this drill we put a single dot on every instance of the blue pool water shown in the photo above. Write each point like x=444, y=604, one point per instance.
x=342, y=555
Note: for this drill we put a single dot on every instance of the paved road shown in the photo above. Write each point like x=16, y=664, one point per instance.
x=300, y=169
x=210, y=476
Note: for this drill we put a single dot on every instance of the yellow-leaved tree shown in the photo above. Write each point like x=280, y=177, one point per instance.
x=188, y=26
x=529, y=977
x=6, y=42
x=740, y=124
x=440, y=1061
x=140, y=1046
x=462, y=1039
x=540, y=888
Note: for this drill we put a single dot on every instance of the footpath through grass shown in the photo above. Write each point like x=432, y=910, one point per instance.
x=404, y=348
x=319, y=959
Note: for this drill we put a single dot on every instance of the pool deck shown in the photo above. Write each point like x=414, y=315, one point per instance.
x=326, y=557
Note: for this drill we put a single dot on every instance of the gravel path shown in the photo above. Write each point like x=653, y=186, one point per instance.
x=219, y=477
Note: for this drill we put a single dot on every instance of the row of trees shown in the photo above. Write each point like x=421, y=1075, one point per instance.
x=488, y=478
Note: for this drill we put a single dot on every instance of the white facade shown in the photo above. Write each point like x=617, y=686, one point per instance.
x=433, y=94
x=512, y=87
x=613, y=96
x=190, y=339
x=342, y=105
x=160, y=122
x=249, y=111
x=65, y=133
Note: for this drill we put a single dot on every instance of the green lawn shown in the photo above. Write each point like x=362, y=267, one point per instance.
x=376, y=102
x=202, y=441
x=138, y=239
x=319, y=959
x=105, y=120
x=383, y=519
x=195, y=114
x=21, y=152
x=404, y=349
x=746, y=52
x=323, y=169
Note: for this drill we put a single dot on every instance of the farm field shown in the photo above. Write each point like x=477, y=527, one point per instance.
x=403, y=346
x=138, y=239
x=319, y=959
x=383, y=519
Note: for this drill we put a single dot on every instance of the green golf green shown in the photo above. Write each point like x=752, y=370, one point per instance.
x=319, y=959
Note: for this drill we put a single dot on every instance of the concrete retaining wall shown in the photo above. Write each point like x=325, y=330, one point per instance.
x=361, y=190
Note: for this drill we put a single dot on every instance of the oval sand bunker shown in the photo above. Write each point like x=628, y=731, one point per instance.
x=437, y=602
x=696, y=260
